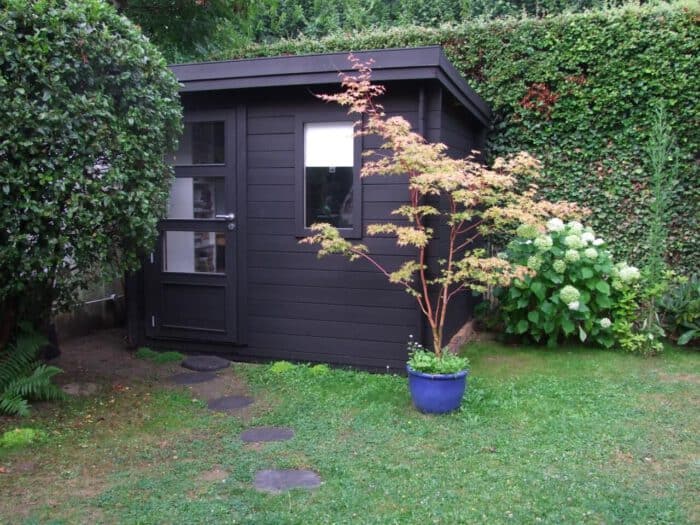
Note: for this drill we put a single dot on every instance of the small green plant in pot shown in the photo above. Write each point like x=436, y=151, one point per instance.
x=477, y=202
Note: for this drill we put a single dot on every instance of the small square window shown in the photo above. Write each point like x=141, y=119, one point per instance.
x=201, y=143
x=329, y=173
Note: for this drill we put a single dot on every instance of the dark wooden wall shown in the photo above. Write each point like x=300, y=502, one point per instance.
x=462, y=133
x=301, y=307
x=296, y=306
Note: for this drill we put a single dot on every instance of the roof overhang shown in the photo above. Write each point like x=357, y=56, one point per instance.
x=422, y=63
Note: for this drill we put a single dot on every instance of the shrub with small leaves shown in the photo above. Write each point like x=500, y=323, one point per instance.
x=89, y=110
x=574, y=290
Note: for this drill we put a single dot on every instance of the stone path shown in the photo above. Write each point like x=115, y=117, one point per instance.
x=210, y=387
x=229, y=403
x=192, y=378
x=205, y=363
x=267, y=434
x=276, y=481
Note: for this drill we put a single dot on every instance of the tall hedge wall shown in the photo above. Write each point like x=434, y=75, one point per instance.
x=577, y=90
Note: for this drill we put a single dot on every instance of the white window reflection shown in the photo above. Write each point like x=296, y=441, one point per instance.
x=196, y=198
x=194, y=252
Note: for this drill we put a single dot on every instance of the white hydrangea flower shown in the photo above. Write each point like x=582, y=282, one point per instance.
x=575, y=226
x=591, y=253
x=572, y=256
x=527, y=231
x=598, y=242
x=534, y=262
x=587, y=237
x=573, y=305
x=555, y=225
x=559, y=266
x=573, y=241
x=629, y=274
x=569, y=294
x=605, y=322
x=544, y=242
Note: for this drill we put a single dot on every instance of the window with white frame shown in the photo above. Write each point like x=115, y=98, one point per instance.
x=329, y=173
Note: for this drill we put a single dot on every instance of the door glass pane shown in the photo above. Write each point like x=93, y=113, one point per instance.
x=196, y=198
x=201, y=143
x=194, y=252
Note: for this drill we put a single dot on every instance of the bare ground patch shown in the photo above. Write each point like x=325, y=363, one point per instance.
x=680, y=378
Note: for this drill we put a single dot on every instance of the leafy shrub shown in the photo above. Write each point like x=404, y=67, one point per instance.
x=569, y=292
x=320, y=369
x=632, y=329
x=22, y=378
x=159, y=357
x=428, y=362
x=680, y=307
x=89, y=109
x=574, y=90
x=20, y=437
x=281, y=367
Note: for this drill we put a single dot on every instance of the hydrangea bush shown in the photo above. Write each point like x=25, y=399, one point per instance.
x=573, y=288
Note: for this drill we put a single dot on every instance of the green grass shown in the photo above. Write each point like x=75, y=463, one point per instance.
x=570, y=436
x=159, y=357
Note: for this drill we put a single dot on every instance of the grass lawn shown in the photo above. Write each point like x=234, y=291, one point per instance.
x=575, y=436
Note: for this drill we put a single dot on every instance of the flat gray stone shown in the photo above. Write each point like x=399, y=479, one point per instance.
x=264, y=434
x=191, y=378
x=229, y=403
x=80, y=389
x=205, y=363
x=276, y=481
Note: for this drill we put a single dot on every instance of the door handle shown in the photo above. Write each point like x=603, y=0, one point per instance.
x=227, y=216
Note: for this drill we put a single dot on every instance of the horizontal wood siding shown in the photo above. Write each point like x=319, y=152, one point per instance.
x=457, y=131
x=302, y=307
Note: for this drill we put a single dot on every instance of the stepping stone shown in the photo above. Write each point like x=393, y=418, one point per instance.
x=229, y=403
x=80, y=389
x=191, y=378
x=205, y=363
x=264, y=434
x=276, y=481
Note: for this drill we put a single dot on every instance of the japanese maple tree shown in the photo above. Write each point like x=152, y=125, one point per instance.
x=475, y=202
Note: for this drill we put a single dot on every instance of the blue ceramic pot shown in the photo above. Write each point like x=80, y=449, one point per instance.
x=436, y=393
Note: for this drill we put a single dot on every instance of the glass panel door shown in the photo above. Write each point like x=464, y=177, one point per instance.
x=192, y=272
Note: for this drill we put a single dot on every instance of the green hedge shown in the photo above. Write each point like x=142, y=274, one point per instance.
x=577, y=90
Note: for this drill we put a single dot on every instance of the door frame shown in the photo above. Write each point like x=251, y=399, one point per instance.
x=234, y=280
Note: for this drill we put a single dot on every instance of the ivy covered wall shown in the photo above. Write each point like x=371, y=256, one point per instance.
x=577, y=90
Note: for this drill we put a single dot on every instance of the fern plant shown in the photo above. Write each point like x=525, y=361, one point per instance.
x=22, y=377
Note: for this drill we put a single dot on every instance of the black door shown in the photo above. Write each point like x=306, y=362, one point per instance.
x=191, y=276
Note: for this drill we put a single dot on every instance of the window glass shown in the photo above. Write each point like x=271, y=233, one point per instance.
x=196, y=198
x=194, y=252
x=329, y=173
x=201, y=143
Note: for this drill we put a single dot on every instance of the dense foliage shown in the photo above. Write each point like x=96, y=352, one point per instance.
x=680, y=308
x=89, y=108
x=23, y=378
x=187, y=28
x=269, y=20
x=576, y=91
x=569, y=295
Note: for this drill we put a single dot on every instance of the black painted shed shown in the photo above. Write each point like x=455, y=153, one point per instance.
x=261, y=158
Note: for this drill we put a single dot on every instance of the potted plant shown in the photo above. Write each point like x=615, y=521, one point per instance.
x=463, y=197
